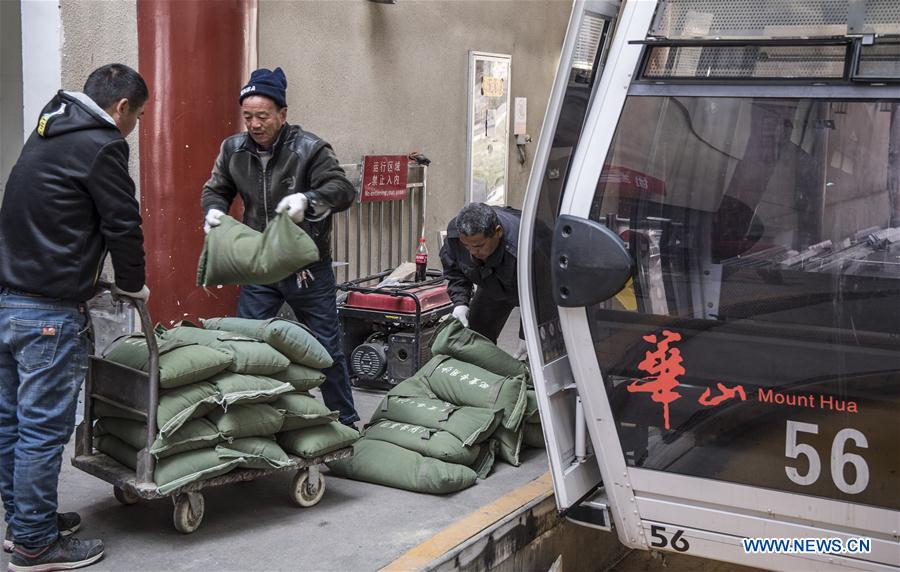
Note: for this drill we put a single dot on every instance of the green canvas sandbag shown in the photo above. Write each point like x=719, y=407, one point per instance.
x=485, y=461
x=301, y=377
x=180, y=405
x=195, y=434
x=387, y=464
x=104, y=409
x=133, y=433
x=180, y=363
x=255, y=420
x=429, y=442
x=466, y=384
x=303, y=411
x=471, y=425
x=240, y=388
x=532, y=413
x=234, y=253
x=185, y=468
x=117, y=449
x=415, y=386
x=249, y=355
x=510, y=444
x=255, y=453
x=293, y=340
x=319, y=440
x=533, y=435
x=459, y=342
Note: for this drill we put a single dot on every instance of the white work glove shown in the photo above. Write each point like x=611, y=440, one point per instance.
x=461, y=313
x=213, y=218
x=142, y=294
x=521, y=351
x=295, y=205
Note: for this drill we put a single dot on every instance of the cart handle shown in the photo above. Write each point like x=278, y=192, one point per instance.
x=152, y=365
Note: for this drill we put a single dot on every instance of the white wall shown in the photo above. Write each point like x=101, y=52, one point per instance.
x=380, y=78
x=10, y=88
x=96, y=33
x=41, y=75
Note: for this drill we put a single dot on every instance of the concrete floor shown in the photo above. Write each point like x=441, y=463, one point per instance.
x=253, y=526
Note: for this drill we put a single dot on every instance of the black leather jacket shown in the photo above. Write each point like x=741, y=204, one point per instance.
x=496, y=277
x=301, y=162
x=69, y=200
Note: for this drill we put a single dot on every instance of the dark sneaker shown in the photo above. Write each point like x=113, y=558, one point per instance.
x=351, y=424
x=67, y=522
x=65, y=554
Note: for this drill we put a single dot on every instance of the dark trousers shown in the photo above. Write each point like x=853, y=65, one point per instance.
x=487, y=316
x=314, y=304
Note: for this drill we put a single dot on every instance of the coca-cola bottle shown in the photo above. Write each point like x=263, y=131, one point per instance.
x=421, y=260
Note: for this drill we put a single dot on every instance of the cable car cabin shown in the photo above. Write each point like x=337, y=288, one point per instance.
x=716, y=198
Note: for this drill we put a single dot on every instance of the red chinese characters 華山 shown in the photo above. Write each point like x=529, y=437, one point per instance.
x=664, y=367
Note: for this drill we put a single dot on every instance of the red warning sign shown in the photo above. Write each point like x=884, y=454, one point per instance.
x=384, y=178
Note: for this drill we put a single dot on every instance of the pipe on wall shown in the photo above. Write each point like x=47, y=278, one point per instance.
x=194, y=55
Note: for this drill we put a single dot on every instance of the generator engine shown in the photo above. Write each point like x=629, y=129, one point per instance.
x=388, y=330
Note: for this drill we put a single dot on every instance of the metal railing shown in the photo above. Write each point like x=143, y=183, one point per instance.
x=373, y=236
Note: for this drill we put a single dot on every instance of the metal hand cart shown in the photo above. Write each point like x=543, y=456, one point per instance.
x=137, y=392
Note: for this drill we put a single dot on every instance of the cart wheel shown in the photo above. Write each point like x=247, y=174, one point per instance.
x=305, y=493
x=189, y=508
x=127, y=498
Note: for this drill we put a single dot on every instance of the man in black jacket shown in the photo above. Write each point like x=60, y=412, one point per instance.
x=277, y=167
x=69, y=200
x=481, y=248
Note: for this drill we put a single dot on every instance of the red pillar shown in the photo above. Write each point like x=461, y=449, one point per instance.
x=195, y=56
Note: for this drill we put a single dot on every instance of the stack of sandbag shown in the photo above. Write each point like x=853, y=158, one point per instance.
x=457, y=341
x=423, y=444
x=309, y=429
x=249, y=410
x=441, y=429
x=464, y=383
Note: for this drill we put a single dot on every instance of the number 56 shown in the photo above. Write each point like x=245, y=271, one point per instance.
x=793, y=450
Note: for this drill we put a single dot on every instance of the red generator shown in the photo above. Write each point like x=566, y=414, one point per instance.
x=388, y=330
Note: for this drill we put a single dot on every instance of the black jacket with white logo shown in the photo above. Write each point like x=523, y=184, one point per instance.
x=68, y=201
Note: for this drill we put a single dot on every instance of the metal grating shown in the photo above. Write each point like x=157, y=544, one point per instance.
x=720, y=62
x=588, y=42
x=879, y=61
x=883, y=16
x=683, y=19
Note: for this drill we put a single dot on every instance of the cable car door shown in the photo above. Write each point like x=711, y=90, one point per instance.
x=744, y=382
x=583, y=56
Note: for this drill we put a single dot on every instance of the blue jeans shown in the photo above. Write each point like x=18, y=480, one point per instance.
x=315, y=305
x=43, y=361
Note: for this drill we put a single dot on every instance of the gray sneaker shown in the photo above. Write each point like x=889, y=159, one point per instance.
x=66, y=553
x=67, y=522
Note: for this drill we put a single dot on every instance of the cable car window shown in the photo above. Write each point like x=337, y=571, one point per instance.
x=759, y=342
x=586, y=65
x=879, y=61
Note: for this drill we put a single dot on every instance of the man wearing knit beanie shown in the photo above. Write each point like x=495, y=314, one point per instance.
x=272, y=84
x=280, y=168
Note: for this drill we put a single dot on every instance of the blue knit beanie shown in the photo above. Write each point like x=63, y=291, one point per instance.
x=271, y=84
